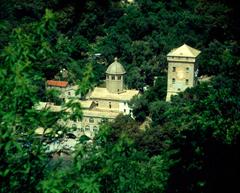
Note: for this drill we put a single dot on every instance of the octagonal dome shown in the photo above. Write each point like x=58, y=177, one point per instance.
x=115, y=68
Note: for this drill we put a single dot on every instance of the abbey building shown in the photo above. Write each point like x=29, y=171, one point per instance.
x=106, y=103
x=102, y=103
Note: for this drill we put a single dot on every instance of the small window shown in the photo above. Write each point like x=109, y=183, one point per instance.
x=173, y=81
x=91, y=120
x=174, y=69
x=125, y=103
x=186, y=81
x=179, y=89
x=69, y=93
x=104, y=120
x=110, y=105
x=187, y=69
x=113, y=77
x=95, y=129
x=119, y=77
x=124, y=110
x=87, y=128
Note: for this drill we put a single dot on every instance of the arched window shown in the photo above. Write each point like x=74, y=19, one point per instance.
x=87, y=128
x=95, y=129
x=91, y=120
x=74, y=126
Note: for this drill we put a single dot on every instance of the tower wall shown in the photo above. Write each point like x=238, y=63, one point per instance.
x=181, y=69
x=114, y=83
x=180, y=75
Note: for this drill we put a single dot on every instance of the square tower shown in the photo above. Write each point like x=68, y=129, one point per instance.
x=181, y=69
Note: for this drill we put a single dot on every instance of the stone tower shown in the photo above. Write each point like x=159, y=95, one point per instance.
x=114, y=77
x=181, y=69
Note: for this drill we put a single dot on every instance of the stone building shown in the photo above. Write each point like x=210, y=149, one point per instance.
x=66, y=90
x=102, y=103
x=106, y=103
x=181, y=69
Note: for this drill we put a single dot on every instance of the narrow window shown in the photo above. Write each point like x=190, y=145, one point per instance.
x=69, y=93
x=113, y=77
x=119, y=77
x=124, y=110
x=186, y=81
x=110, y=105
x=174, y=69
x=91, y=120
x=187, y=69
x=95, y=129
x=87, y=128
x=103, y=120
x=173, y=81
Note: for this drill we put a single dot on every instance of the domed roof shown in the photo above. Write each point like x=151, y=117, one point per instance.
x=115, y=68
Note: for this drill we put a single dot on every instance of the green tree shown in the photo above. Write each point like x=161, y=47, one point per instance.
x=24, y=160
x=202, y=124
x=106, y=166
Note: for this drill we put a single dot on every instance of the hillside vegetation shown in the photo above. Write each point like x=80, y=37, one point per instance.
x=192, y=143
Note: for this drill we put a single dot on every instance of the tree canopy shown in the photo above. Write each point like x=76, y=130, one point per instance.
x=191, y=144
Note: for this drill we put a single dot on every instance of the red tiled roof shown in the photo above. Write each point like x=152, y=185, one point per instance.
x=57, y=83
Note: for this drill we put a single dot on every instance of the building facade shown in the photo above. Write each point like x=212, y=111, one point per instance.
x=102, y=103
x=66, y=90
x=106, y=103
x=181, y=69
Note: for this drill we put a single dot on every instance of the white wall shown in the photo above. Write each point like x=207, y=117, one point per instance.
x=124, y=106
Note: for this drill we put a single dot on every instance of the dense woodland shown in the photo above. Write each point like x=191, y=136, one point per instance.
x=192, y=143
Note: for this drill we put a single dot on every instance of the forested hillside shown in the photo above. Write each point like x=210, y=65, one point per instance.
x=192, y=143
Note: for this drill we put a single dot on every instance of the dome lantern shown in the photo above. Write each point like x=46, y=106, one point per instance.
x=114, y=77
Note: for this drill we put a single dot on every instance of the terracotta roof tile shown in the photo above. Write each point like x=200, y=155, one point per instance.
x=57, y=83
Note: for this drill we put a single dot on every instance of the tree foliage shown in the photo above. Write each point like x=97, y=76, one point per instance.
x=198, y=130
x=107, y=166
